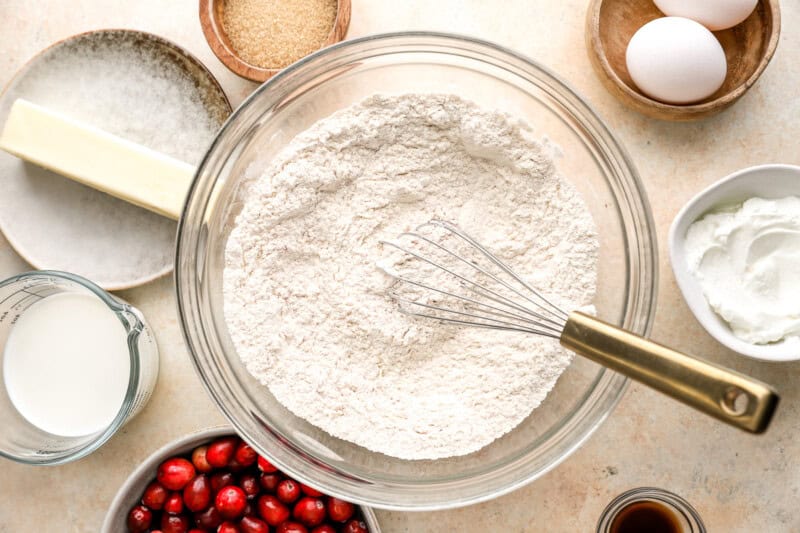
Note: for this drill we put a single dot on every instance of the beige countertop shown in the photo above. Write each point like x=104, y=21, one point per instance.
x=738, y=483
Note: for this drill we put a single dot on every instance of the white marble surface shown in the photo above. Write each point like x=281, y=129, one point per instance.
x=739, y=483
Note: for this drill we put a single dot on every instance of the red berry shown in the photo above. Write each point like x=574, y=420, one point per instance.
x=288, y=491
x=228, y=527
x=220, y=452
x=308, y=491
x=340, y=510
x=219, y=480
x=291, y=527
x=196, y=531
x=175, y=473
x=199, y=460
x=251, y=524
x=208, y=519
x=266, y=466
x=139, y=519
x=197, y=494
x=234, y=465
x=269, y=482
x=272, y=510
x=250, y=485
x=310, y=511
x=154, y=496
x=245, y=455
x=174, y=523
x=230, y=502
x=174, y=503
x=355, y=526
x=325, y=528
x=249, y=509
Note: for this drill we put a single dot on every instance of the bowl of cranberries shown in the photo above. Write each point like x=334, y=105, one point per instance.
x=214, y=482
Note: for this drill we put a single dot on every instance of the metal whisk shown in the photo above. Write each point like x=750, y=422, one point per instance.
x=443, y=274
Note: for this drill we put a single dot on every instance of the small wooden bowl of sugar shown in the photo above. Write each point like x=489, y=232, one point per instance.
x=256, y=39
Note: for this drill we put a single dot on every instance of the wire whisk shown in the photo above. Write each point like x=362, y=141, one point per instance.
x=441, y=273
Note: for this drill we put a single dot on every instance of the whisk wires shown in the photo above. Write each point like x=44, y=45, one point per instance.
x=444, y=274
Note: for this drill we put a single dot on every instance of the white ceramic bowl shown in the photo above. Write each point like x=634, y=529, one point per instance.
x=131, y=491
x=765, y=181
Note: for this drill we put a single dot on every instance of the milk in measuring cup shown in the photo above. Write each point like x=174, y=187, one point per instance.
x=66, y=364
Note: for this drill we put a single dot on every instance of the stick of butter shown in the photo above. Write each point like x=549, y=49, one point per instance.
x=98, y=159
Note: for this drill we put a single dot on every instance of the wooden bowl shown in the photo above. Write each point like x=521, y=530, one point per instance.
x=211, y=22
x=748, y=46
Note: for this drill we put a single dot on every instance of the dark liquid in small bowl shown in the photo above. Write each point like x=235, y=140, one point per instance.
x=646, y=517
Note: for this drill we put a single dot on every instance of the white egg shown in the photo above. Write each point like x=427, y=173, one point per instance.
x=713, y=14
x=676, y=60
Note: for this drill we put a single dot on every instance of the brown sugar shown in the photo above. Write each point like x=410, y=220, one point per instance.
x=276, y=33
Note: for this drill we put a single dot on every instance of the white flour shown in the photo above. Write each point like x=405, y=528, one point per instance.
x=306, y=306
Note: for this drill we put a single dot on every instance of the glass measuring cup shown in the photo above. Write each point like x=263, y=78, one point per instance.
x=21, y=440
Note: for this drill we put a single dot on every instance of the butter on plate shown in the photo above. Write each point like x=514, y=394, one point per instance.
x=96, y=158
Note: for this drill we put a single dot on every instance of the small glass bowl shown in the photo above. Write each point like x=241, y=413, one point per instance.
x=686, y=515
x=336, y=78
x=26, y=443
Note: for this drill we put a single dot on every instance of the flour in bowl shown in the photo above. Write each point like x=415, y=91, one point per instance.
x=306, y=304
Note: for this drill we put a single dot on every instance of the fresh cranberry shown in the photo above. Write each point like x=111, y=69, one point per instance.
x=269, y=482
x=230, y=502
x=250, y=485
x=175, y=473
x=249, y=509
x=220, y=452
x=154, y=496
x=208, y=519
x=325, y=528
x=310, y=511
x=221, y=479
x=174, y=503
x=308, y=491
x=199, y=460
x=355, y=526
x=196, y=531
x=288, y=491
x=291, y=527
x=139, y=519
x=174, y=523
x=245, y=455
x=197, y=494
x=251, y=524
x=272, y=510
x=234, y=466
x=228, y=527
x=340, y=510
x=266, y=466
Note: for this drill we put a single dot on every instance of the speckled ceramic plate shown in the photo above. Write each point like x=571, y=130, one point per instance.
x=132, y=84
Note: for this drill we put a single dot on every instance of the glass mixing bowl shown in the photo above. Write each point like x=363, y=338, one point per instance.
x=335, y=78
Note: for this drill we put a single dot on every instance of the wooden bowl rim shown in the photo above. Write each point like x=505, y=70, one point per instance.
x=596, y=48
x=212, y=30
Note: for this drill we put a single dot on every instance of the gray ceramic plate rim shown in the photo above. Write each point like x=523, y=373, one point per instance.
x=18, y=247
x=766, y=181
x=128, y=494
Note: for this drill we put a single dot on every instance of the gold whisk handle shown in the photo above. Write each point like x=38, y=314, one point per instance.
x=732, y=397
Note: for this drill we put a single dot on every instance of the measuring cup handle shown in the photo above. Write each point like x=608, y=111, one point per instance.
x=729, y=396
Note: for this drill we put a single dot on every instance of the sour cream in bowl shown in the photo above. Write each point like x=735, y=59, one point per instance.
x=735, y=252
